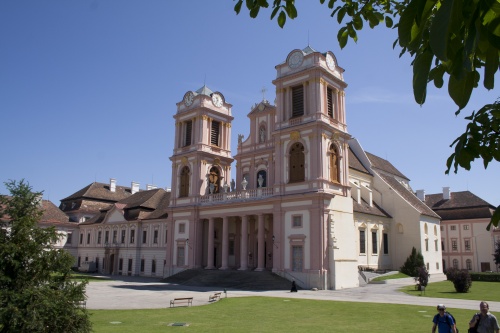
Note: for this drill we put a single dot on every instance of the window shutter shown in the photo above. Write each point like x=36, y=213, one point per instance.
x=329, y=93
x=297, y=101
x=214, y=135
x=189, y=128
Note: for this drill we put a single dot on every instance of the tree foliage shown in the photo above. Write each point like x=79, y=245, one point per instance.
x=422, y=276
x=496, y=255
x=412, y=264
x=36, y=292
x=462, y=281
x=456, y=39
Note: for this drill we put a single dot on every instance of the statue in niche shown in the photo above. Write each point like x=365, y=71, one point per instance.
x=233, y=185
x=262, y=134
x=240, y=138
x=260, y=180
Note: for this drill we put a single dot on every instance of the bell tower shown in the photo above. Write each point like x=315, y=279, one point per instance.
x=202, y=159
x=311, y=132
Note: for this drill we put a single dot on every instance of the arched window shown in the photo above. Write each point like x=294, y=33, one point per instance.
x=184, y=184
x=297, y=158
x=455, y=263
x=262, y=178
x=334, y=164
x=468, y=264
x=214, y=180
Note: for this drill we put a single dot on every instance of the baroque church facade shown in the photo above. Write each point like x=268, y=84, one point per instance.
x=308, y=203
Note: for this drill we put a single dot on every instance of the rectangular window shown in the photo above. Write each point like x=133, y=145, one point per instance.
x=436, y=246
x=69, y=239
x=120, y=264
x=453, y=227
x=189, y=129
x=442, y=245
x=362, y=242
x=88, y=238
x=466, y=227
x=426, y=245
x=153, y=266
x=99, y=237
x=129, y=267
x=166, y=236
x=231, y=247
x=106, y=237
x=467, y=244
x=297, y=258
x=386, y=243
x=329, y=96
x=180, y=256
x=297, y=101
x=454, y=246
x=132, y=236
x=182, y=228
x=144, y=236
x=214, y=133
x=374, y=242
x=81, y=238
x=155, y=237
x=297, y=221
x=115, y=236
x=123, y=237
x=97, y=263
x=468, y=264
x=142, y=265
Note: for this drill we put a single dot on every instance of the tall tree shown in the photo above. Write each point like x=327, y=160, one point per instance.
x=36, y=290
x=459, y=39
x=496, y=255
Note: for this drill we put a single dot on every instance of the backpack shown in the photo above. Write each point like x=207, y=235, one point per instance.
x=453, y=321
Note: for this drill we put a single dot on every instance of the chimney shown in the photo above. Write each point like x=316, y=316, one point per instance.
x=135, y=187
x=446, y=193
x=112, y=185
x=421, y=195
x=150, y=187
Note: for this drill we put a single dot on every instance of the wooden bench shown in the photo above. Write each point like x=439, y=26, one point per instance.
x=184, y=300
x=214, y=297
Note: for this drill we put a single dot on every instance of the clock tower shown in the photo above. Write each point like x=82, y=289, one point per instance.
x=201, y=161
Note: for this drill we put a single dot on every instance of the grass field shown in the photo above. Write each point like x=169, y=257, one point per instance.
x=391, y=277
x=263, y=314
x=482, y=291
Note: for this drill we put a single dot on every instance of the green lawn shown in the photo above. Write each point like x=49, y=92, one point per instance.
x=481, y=291
x=390, y=277
x=263, y=314
x=88, y=277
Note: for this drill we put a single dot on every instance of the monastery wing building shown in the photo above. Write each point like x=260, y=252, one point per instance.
x=308, y=203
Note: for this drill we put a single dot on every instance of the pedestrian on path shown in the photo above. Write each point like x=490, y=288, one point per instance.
x=485, y=321
x=294, y=287
x=443, y=321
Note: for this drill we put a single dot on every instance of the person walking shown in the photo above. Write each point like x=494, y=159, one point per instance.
x=443, y=321
x=488, y=323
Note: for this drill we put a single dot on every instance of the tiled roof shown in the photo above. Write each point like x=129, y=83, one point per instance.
x=384, y=165
x=409, y=196
x=100, y=191
x=52, y=214
x=355, y=163
x=150, y=204
x=365, y=208
x=461, y=205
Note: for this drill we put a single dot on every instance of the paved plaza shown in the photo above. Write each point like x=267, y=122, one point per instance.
x=127, y=292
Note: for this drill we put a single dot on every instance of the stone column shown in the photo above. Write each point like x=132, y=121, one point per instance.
x=261, y=249
x=244, y=243
x=210, y=253
x=225, y=242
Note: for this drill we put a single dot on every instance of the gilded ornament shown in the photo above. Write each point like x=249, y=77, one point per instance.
x=295, y=135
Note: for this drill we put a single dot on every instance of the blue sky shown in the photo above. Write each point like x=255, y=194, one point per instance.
x=88, y=90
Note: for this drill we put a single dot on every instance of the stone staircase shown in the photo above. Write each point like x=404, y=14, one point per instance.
x=230, y=279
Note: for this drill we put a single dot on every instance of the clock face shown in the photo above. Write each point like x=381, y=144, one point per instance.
x=330, y=62
x=188, y=98
x=295, y=60
x=217, y=100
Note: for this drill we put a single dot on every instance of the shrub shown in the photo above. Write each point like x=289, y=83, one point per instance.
x=422, y=277
x=412, y=263
x=450, y=273
x=462, y=281
x=485, y=277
